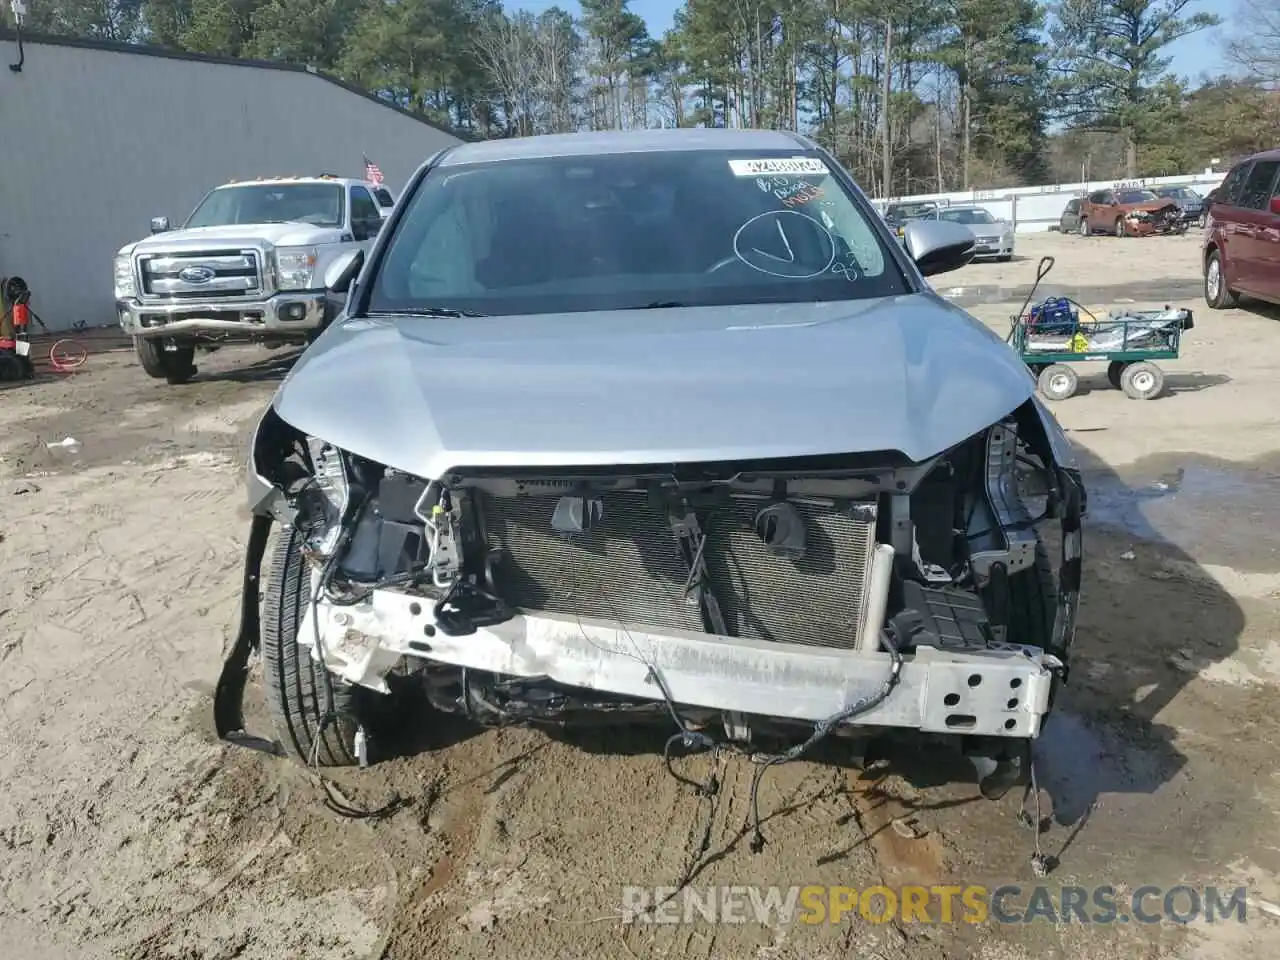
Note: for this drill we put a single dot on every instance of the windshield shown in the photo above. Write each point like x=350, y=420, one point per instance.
x=613, y=231
x=911, y=211
x=967, y=216
x=1179, y=193
x=318, y=203
x=1135, y=196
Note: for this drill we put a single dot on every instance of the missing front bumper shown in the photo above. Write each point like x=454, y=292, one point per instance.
x=1002, y=692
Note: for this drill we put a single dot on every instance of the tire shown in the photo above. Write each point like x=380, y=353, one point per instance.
x=294, y=683
x=1114, y=371
x=1120, y=231
x=1033, y=603
x=1204, y=220
x=1142, y=381
x=1006, y=258
x=1083, y=229
x=1058, y=381
x=1216, y=293
x=175, y=366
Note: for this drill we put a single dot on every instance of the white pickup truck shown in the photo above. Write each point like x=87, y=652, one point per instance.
x=246, y=267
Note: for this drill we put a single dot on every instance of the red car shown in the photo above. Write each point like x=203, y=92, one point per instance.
x=1242, y=235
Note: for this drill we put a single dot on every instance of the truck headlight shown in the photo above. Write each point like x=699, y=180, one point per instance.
x=126, y=286
x=295, y=267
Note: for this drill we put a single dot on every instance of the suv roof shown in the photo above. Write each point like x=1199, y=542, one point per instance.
x=623, y=141
x=344, y=181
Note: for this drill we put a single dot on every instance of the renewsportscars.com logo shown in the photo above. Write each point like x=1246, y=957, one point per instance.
x=974, y=904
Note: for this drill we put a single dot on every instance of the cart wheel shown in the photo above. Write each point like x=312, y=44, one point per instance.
x=1115, y=370
x=1142, y=381
x=1058, y=381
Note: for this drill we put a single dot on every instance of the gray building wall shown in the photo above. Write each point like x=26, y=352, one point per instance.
x=95, y=142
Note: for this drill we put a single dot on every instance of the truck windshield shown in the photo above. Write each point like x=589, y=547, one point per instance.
x=318, y=203
x=616, y=231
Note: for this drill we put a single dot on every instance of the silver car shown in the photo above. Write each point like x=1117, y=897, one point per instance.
x=995, y=237
x=658, y=423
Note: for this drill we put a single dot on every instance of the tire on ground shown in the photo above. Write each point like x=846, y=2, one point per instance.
x=175, y=366
x=1142, y=381
x=1114, y=369
x=294, y=683
x=1033, y=602
x=1224, y=298
x=1058, y=381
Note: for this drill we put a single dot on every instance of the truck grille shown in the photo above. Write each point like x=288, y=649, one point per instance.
x=207, y=275
x=630, y=568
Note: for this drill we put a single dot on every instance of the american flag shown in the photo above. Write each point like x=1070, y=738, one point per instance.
x=372, y=172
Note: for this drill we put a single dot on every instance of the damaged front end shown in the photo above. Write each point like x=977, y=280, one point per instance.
x=1165, y=220
x=854, y=592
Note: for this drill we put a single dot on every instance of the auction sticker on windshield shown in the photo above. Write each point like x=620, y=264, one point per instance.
x=769, y=165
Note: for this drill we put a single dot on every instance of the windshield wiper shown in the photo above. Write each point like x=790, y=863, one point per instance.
x=657, y=305
x=445, y=312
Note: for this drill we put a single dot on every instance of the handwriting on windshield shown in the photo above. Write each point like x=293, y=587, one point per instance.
x=792, y=191
x=846, y=267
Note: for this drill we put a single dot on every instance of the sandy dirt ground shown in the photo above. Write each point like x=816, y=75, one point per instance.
x=128, y=832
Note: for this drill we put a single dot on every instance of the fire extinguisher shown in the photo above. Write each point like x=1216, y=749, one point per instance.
x=15, y=343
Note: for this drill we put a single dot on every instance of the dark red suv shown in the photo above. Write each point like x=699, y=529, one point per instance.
x=1242, y=234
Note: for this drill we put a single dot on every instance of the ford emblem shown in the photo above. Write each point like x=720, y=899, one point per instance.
x=196, y=275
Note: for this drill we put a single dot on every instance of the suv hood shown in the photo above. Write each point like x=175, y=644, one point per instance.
x=911, y=374
x=198, y=238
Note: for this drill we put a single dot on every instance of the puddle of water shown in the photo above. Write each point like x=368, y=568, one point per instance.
x=1213, y=510
x=1077, y=762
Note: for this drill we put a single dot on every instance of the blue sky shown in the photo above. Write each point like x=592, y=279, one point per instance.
x=1192, y=56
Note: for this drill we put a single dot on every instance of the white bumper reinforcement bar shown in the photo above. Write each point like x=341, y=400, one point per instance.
x=994, y=692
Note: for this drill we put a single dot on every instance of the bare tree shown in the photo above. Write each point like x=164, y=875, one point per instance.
x=530, y=61
x=1255, y=48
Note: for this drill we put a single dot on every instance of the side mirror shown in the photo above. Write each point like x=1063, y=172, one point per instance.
x=159, y=224
x=344, y=269
x=938, y=246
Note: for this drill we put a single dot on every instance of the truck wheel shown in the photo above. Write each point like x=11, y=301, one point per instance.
x=1084, y=227
x=175, y=366
x=1120, y=231
x=295, y=684
x=1142, y=381
x=1058, y=381
x=1216, y=293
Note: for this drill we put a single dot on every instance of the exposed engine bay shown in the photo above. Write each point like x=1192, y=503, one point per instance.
x=1166, y=220
x=736, y=593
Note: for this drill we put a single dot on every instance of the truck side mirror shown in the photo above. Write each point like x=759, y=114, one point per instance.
x=159, y=224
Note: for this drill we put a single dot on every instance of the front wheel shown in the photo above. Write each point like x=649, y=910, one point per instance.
x=1120, y=230
x=1142, y=381
x=296, y=685
x=1058, y=381
x=1084, y=228
x=175, y=366
x=1216, y=292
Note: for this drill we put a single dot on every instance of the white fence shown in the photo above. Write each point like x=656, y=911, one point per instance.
x=1036, y=209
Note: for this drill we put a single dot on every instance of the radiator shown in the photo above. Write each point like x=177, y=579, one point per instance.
x=629, y=568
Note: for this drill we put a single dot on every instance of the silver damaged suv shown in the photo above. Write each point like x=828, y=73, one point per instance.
x=659, y=423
